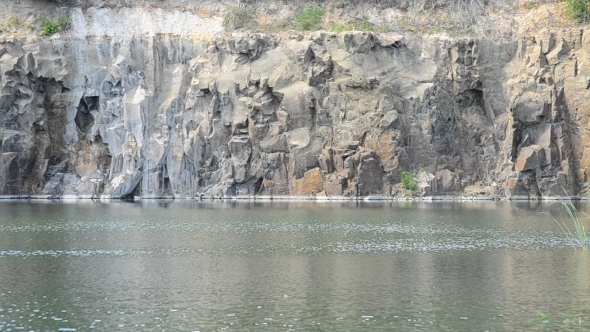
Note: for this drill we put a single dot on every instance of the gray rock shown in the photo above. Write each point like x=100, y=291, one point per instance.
x=253, y=114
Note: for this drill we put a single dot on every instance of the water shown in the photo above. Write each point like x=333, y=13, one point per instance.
x=196, y=266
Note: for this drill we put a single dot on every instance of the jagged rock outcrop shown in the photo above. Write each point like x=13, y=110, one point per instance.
x=325, y=114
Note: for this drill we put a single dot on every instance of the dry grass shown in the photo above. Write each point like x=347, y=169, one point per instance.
x=494, y=19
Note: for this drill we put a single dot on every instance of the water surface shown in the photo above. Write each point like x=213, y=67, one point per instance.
x=299, y=266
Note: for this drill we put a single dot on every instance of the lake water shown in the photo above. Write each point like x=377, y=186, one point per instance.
x=299, y=266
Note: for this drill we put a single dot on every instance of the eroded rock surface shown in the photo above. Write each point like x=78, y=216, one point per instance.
x=327, y=114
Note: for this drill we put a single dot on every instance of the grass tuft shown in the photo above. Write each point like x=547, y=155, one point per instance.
x=11, y=22
x=29, y=25
x=238, y=16
x=356, y=25
x=576, y=231
x=310, y=19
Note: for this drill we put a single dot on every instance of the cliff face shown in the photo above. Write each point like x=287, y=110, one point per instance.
x=321, y=114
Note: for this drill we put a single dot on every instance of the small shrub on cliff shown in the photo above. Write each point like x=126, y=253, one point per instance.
x=577, y=10
x=49, y=27
x=11, y=22
x=238, y=16
x=310, y=19
x=408, y=180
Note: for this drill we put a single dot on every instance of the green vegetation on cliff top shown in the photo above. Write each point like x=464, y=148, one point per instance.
x=578, y=11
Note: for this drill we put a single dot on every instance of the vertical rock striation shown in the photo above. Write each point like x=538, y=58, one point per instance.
x=325, y=114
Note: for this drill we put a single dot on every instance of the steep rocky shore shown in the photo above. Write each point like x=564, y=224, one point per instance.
x=92, y=113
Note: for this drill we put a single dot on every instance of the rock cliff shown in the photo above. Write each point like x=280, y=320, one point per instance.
x=88, y=115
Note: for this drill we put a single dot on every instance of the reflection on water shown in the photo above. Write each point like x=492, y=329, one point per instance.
x=303, y=266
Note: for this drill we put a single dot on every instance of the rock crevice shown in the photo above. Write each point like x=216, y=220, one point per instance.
x=325, y=115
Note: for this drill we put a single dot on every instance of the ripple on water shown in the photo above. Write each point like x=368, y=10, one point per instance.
x=384, y=237
x=277, y=292
x=460, y=242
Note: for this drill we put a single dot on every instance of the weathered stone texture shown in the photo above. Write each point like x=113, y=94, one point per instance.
x=329, y=114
